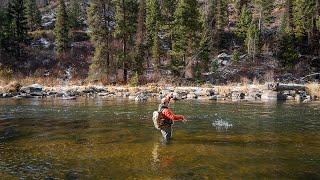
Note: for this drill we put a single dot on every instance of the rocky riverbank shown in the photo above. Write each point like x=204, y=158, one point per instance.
x=266, y=92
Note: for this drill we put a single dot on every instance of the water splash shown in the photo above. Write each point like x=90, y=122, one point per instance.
x=221, y=124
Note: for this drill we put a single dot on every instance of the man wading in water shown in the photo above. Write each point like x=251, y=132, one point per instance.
x=167, y=118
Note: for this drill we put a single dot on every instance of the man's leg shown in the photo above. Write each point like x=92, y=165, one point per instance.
x=166, y=133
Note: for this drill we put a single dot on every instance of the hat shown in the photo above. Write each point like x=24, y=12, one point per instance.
x=166, y=99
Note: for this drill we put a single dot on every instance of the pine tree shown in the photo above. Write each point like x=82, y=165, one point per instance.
x=167, y=10
x=244, y=22
x=205, y=44
x=3, y=27
x=16, y=10
x=221, y=13
x=289, y=15
x=263, y=8
x=140, y=46
x=252, y=40
x=125, y=17
x=75, y=14
x=298, y=15
x=14, y=34
x=287, y=52
x=155, y=49
x=153, y=22
x=62, y=28
x=33, y=15
x=185, y=35
x=100, y=18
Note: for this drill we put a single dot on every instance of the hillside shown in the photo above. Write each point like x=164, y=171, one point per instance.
x=160, y=41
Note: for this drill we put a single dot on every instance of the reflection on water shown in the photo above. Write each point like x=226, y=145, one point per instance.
x=101, y=138
x=155, y=157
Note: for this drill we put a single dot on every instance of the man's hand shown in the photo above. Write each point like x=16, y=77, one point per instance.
x=184, y=120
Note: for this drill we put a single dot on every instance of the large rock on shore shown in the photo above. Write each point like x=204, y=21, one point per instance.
x=178, y=95
x=34, y=88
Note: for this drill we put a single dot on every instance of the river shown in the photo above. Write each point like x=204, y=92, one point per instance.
x=114, y=138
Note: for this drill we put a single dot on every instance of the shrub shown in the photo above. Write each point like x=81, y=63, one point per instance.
x=48, y=34
x=6, y=74
x=134, y=81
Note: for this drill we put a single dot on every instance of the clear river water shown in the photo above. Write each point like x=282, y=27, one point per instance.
x=111, y=138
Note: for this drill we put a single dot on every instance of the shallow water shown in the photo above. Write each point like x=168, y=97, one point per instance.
x=103, y=138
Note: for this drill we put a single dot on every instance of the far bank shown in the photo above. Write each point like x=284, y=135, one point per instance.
x=270, y=91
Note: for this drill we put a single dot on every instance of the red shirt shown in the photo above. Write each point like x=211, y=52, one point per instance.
x=169, y=114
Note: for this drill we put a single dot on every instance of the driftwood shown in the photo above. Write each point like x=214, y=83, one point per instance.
x=284, y=87
x=290, y=86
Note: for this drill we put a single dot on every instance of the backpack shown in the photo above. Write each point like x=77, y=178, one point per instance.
x=156, y=119
x=159, y=121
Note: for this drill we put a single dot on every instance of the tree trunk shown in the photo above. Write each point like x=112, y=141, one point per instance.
x=124, y=48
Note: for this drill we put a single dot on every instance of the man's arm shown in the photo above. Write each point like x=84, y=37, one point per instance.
x=169, y=114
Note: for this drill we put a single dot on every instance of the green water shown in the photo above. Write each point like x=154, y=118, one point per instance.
x=108, y=138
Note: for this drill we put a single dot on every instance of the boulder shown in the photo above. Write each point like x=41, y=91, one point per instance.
x=23, y=95
x=141, y=96
x=37, y=94
x=126, y=94
x=68, y=98
x=269, y=95
x=203, y=98
x=211, y=92
x=237, y=95
x=73, y=92
x=290, y=98
x=164, y=92
x=254, y=94
x=90, y=89
x=178, y=95
x=34, y=88
x=131, y=97
x=270, y=86
x=7, y=95
x=214, y=97
x=298, y=97
x=200, y=92
x=119, y=94
x=103, y=94
x=192, y=96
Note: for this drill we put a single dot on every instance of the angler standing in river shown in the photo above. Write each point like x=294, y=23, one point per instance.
x=166, y=118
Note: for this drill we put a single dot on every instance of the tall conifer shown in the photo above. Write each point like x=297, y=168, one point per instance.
x=100, y=18
x=62, y=28
x=125, y=18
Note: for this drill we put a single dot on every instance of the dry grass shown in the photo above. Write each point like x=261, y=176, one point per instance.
x=313, y=89
x=48, y=81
